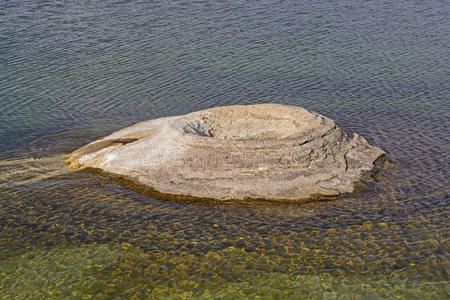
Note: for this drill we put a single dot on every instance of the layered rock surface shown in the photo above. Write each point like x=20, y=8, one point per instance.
x=265, y=152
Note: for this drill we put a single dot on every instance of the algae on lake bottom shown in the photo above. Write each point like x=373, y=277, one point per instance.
x=102, y=271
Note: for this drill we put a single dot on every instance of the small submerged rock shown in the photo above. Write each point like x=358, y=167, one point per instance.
x=243, y=152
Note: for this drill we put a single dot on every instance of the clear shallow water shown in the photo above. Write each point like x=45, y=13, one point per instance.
x=75, y=71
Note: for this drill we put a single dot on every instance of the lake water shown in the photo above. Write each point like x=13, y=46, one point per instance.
x=74, y=71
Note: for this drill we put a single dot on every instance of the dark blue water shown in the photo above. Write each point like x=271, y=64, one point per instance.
x=73, y=71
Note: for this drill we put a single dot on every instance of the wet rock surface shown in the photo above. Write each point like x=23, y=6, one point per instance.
x=236, y=153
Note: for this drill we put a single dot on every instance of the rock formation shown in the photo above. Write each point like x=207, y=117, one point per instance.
x=240, y=153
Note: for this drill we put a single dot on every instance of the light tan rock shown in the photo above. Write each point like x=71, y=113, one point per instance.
x=255, y=152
